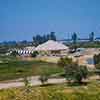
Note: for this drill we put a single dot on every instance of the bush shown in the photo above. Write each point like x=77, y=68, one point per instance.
x=43, y=79
x=34, y=54
x=63, y=62
x=96, y=59
x=73, y=71
x=14, y=53
x=98, y=69
x=97, y=63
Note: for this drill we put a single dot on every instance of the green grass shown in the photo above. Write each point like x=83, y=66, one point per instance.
x=17, y=69
x=89, y=45
x=53, y=92
x=4, y=58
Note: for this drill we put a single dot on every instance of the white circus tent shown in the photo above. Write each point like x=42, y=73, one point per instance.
x=52, y=47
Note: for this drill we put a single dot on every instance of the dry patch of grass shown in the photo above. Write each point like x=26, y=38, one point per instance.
x=53, y=92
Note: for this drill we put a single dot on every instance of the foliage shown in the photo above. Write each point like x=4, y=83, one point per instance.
x=73, y=71
x=54, y=92
x=98, y=69
x=76, y=73
x=3, y=50
x=27, y=85
x=14, y=53
x=85, y=44
x=44, y=76
x=97, y=63
x=26, y=81
x=43, y=79
x=96, y=59
x=34, y=54
x=73, y=48
x=63, y=62
x=18, y=69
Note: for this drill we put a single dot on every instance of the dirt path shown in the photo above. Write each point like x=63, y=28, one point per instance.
x=34, y=81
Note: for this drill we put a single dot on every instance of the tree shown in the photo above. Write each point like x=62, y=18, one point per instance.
x=14, y=53
x=91, y=36
x=73, y=48
x=97, y=63
x=43, y=79
x=96, y=59
x=63, y=62
x=98, y=68
x=34, y=54
x=44, y=76
x=73, y=71
x=26, y=82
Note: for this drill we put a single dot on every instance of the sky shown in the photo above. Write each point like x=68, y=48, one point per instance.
x=23, y=19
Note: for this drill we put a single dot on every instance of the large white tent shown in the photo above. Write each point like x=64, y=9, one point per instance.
x=29, y=48
x=51, y=45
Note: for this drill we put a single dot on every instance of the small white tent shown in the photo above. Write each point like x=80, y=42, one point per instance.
x=29, y=49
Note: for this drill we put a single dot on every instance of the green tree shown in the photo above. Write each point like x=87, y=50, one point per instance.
x=97, y=63
x=14, y=53
x=96, y=59
x=43, y=79
x=73, y=71
x=63, y=62
x=27, y=84
x=34, y=54
x=98, y=69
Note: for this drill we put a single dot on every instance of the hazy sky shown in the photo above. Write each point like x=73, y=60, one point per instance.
x=21, y=19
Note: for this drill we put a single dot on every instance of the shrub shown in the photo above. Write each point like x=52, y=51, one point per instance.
x=34, y=54
x=14, y=53
x=97, y=63
x=43, y=79
x=73, y=71
x=96, y=59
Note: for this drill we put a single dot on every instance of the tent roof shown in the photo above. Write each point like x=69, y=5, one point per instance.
x=51, y=45
x=30, y=48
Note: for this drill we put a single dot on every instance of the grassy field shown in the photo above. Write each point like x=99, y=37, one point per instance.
x=89, y=44
x=53, y=92
x=13, y=69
